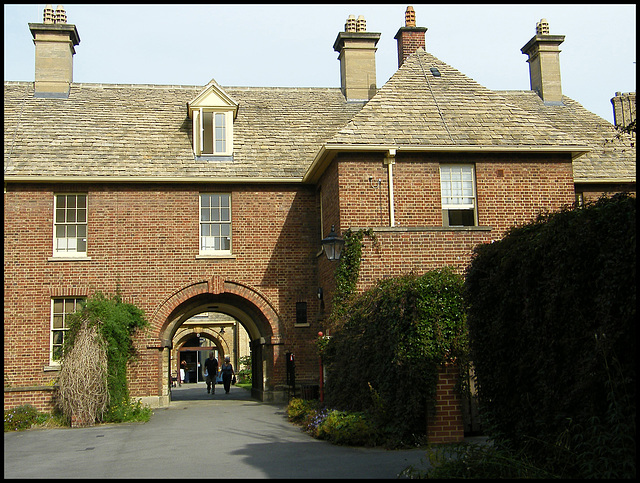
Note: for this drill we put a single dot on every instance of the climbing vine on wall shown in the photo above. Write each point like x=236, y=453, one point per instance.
x=348, y=269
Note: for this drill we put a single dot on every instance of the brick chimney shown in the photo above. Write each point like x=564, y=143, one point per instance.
x=409, y=37
x=54, y=40
x=544, y=63
x=624, y=109
x=357, y=55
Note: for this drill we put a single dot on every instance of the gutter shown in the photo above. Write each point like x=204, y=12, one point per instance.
x=144, y=179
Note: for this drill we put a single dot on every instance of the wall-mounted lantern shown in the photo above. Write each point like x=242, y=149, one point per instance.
x=332, y=245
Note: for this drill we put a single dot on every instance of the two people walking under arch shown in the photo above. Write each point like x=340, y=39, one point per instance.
x=211, y=370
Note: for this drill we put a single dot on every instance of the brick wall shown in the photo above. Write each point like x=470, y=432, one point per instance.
x=39, y=397
x=446, y=426
x=144, y=238
x=510, y=190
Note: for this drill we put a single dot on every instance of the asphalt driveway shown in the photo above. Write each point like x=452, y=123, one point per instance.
x=198, y=436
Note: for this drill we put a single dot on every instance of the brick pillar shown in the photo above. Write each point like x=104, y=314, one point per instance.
x=446, y=426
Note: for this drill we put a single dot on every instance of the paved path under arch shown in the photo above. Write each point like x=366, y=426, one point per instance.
x=198, y=436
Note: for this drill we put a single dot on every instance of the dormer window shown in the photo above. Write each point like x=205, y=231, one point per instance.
x=211, y=133
x=213, y=113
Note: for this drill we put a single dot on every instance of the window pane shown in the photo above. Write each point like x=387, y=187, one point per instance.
x=60, y=216
x=220, y=133
x=207, y=125
x=58, y=321
x=69, y=306
x=205, y=214
x=456, y=185
x=58, y=336
x=301, y=312
x=82, y=215
x=461, y=218
x=58, y=305
x=57, y=353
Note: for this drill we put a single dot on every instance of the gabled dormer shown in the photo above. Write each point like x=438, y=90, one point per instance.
x=213, y=112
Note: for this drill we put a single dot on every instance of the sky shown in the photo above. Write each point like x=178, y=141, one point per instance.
x=291, y=45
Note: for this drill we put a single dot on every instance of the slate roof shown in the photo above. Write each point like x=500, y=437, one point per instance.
x=612, y=156
x=417, y=108
x=142, y=131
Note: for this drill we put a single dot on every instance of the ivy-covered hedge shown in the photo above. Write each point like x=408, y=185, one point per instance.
x=552, y=328
x=384, y=354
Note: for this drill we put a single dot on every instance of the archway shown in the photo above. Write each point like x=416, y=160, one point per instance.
x=245, y=304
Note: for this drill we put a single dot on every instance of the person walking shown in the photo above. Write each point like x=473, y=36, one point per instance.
x=227, y=374
x=184, y=371
x=211, y=368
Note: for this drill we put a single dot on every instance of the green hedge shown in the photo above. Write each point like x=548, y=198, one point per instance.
x=384, y=354
x=552, y=328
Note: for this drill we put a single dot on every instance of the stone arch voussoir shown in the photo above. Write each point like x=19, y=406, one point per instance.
x=216, y=285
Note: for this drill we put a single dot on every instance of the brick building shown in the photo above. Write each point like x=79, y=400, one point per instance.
x=214, y=199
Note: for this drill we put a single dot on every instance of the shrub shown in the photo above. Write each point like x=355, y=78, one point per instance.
x=111, y=324
x=385, y=353
x=132, y=411
x=339, y=427
x=299, y=410
x=347, y=428
x=552, y=327
x=244, y=374
x=20, y=417
x=82, y=391
x=477, y=461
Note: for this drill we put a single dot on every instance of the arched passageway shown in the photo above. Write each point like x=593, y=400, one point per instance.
x=250, y=309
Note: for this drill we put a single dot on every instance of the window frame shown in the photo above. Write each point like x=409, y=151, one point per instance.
x=200, y=123
x=78, y=303
x=462, y=194
x=203, y=249
x=69, y=253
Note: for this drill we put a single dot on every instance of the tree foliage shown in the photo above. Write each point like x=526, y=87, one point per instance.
x=384, y=356
x=552, y=328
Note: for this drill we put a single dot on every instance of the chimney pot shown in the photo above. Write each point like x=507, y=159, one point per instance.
x=350, y=26
x=542, y=27
x=361, y=24
x=61, y=15
x=410, y=17
x=49, y=15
